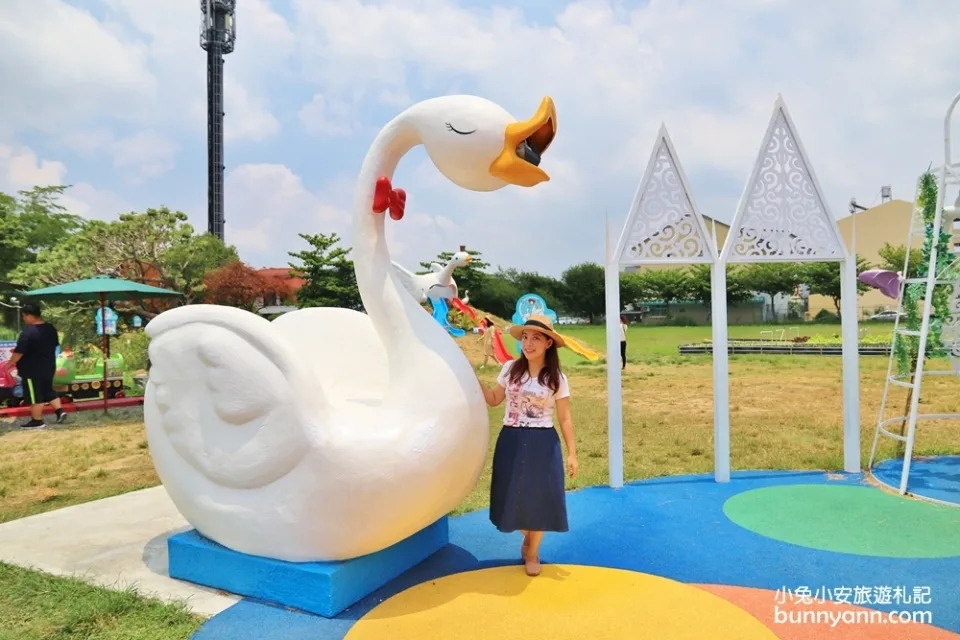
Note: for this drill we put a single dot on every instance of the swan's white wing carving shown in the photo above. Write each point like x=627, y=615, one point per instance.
x=230, y=395
x=410, y=282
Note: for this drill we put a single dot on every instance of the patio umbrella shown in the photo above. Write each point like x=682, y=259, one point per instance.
x=102, y=288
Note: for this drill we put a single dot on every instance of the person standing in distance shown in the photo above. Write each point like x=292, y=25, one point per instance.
x=623, y=342
x=35, y=358
x=486, y=341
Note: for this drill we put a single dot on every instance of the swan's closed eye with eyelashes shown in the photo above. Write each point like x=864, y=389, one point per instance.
x=450, y=127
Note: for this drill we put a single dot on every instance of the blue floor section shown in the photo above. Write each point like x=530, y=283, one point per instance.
x=673, y=527
x=937, y=477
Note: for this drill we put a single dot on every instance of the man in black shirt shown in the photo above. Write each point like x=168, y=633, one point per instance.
x=36, y=361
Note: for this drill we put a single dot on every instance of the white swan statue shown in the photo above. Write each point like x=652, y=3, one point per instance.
x=439, y=283
x=329, y=434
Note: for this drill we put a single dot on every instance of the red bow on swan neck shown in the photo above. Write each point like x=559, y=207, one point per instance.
x=386, y=197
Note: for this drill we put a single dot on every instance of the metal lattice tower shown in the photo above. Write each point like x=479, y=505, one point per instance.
x=217, y=37
x=945, y=220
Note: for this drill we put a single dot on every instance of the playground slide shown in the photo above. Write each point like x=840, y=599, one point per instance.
x=458, y=303
x=440, y=311
x=499, y=350
x=580, y=349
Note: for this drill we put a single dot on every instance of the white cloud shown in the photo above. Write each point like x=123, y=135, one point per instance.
x=55, y=81
x=320, y=117
x=145, y=154
x=87, y=141
x=22, y=169
x=152, y=74
x=868, y=107
x=85, y=200
x=268, y=205
x=420, y=236
x=248, y=116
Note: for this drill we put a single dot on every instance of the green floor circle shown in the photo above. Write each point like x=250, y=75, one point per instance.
x=858, y=520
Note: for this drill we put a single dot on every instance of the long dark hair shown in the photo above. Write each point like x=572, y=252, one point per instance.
x=549, y=375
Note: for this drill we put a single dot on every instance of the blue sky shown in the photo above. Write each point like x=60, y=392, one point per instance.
x=110, y=97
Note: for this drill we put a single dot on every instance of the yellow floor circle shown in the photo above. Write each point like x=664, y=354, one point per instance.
x=565, y=602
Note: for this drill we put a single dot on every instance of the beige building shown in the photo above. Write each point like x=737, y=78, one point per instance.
x=883, y=224
x=887, y=223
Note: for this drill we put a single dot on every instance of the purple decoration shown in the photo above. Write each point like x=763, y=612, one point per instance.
x=887, y=281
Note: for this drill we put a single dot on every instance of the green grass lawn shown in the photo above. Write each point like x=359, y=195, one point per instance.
x=646, y=343
x=36, y=606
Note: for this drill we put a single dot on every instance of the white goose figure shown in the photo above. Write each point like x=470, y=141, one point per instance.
x=439, y=283
x=328, y=433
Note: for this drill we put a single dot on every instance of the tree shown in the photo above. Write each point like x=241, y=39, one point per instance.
x=772, y=278
x=892, y=257
x=699, y=284
x=553, y=291
x=666, y=285
x=238, y=285
x=330, y=278
x=31, y=222
x=44, y=220
x=498, y=295
x=469, y=278
x=585, y=289
x=631, y=288
x=157, y=247
x=824, y=279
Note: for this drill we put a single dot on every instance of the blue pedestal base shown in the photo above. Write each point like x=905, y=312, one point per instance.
x=323, y=588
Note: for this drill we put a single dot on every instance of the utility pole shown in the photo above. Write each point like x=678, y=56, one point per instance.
x=217, y=37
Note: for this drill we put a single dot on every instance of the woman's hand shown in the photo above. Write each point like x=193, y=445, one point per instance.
x=493, y=396
x=572, y=465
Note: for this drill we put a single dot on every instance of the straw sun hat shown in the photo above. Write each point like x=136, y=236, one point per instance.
x=539, y=323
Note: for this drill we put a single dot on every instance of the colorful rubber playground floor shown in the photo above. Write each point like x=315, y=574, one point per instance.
x=770, y=555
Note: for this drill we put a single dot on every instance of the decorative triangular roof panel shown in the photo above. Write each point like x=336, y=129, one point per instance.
x=782, y=215
x=664, y=225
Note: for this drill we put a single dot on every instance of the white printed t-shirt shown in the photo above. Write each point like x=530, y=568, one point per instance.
x=530, y=404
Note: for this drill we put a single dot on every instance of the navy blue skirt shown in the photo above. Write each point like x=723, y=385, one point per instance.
x=527, y=489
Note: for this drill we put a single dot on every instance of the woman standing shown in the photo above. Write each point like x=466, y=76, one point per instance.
x=486, y=340
x=527, y=490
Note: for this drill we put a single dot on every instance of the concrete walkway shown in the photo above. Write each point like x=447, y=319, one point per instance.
x=116, y=542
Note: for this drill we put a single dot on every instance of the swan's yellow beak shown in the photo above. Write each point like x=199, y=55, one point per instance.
x=524, y=143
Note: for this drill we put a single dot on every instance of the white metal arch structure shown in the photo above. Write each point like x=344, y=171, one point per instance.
x=664, y=226
x=783, y=217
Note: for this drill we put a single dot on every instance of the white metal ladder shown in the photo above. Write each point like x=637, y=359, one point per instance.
x=949, y=176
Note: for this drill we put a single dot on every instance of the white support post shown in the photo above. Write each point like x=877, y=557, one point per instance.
x=614, y=379
x=721, y=385
x=851, y=366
